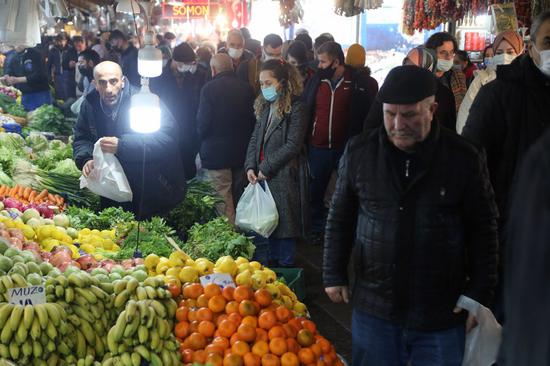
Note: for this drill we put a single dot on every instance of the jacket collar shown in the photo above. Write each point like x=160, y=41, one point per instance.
x=523, y=71
x=223, y=74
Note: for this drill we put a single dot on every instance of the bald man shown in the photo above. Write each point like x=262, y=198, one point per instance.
x=151, y=162
x=225, y=122
x=446, y=111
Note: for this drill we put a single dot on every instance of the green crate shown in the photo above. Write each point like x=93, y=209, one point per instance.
x=295, y=280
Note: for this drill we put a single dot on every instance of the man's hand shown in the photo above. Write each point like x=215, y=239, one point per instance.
x=338, y=294
x=251, y=176
x=471, y=322
x=88, y=167
x=261, y=176
x=109, y=145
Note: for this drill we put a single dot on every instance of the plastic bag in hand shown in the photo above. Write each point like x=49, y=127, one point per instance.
x=256, y=210
x=107, y=179
x=483, y=342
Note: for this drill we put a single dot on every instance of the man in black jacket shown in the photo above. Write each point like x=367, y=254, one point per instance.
x=338, y=100
x=61, y=67
x=179, y=87
x=225, y=122
x=414, y=207
x=150, y=161
x=128, y=56
x=509, y=114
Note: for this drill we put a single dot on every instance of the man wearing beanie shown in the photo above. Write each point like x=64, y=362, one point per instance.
x=415, y=210
x=508, y=115
x=507, y=46
x=179, y=87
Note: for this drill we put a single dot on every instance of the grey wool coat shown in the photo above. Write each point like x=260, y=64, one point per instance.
x=284, y=165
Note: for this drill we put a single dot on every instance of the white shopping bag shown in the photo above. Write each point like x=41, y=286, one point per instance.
x=256, y=210
x=483, y=342
x=107, y=179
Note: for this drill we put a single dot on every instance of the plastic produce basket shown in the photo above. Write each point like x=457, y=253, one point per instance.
x=295, y=280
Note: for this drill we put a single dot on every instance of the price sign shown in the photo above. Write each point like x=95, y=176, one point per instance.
x=220, y=279
x=32, y=295
x=189, y=10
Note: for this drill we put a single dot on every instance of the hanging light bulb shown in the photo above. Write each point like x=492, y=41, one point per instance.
x=149, y=58
x=128, y=6
x=145, y=110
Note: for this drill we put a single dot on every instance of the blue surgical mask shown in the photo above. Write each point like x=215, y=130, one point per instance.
x=270, y=93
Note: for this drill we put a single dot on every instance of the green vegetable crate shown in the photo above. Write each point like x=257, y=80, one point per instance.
x=295, y=280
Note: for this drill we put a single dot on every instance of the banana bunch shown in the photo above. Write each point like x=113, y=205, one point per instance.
x=10, y=281
x=33, y=334
x=143, y=331
x=89, y=312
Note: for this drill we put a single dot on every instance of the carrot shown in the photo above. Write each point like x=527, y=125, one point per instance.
x=26, y=193
x=32, y=196
x=12, y=191
x=20, y=191
x=42, y=195
x=2, y=190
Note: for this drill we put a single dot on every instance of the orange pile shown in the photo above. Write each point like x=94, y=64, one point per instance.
x=239, y=327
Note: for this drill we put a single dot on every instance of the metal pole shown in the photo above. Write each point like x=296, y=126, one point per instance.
x=358, y=28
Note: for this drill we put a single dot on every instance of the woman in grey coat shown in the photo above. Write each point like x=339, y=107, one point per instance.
x=276, y=154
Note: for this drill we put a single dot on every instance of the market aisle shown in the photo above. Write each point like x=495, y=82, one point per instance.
x=333, y=320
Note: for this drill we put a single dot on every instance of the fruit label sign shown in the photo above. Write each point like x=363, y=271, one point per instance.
x=220, y=279
x=31, y=295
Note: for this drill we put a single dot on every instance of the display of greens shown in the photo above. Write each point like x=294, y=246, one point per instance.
x=216, y=239
x=48, y=118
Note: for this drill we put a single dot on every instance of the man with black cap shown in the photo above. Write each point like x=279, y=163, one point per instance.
x=179, y=87
x=414, y=207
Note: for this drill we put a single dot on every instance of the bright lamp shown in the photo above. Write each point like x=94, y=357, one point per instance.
x=145, y=111
x=149, y=58
x=128, y=6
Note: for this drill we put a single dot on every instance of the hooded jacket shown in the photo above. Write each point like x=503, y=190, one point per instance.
x=151, y=162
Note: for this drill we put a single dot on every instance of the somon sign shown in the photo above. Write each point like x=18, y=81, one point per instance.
x=190, y=9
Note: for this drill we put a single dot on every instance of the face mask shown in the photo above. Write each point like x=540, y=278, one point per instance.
x=544, y=66
x=85, y=71
x=503, y=59
x=235, y=53
x=487, y=61
x=270, y=93
x=444, y=65
x=327, y=73
x=267, y=57
x=164, y=63
x=187, y=68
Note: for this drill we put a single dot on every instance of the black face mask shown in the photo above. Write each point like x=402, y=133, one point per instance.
x=327, y=73
x=86, y=71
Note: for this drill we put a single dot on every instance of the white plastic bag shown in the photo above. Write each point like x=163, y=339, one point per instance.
x=483, y=342
x=107, y=179
x=256, y=210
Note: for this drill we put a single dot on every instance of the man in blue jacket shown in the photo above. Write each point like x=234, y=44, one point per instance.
x=150, y=161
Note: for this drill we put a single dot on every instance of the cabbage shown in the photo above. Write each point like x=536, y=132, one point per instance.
x=37, y=142
x=12, y=141
x=5, y=179
x=57, y=145
x=66, y=167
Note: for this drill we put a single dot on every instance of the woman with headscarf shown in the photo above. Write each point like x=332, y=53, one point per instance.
x=507, y=46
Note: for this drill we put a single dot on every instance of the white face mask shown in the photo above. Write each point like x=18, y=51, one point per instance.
x=444, y=65
x=164, y=63
x=544, y=66
x=235, y=53
x=487, y=61
x=187, y=68
x=267, y=57
x=502, y=59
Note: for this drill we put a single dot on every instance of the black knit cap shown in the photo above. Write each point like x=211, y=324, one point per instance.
x=407, y=84
x=184, y=53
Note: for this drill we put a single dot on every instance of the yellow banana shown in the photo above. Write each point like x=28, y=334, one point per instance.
x=15, y=317
x=69, y=294
x=141, y=293
x=42, y=313
x=119, y=326
x=121, y=298
x=87, y=294
x=51, y=331
x=35, y=329
x=143, y=334
x=28, y=316
x=5, y=313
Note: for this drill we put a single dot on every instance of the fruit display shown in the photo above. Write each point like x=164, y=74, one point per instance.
x=239, y=326
x=26, y=196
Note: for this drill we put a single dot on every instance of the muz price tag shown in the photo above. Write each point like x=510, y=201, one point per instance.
x=220, y=279
x=31, y=295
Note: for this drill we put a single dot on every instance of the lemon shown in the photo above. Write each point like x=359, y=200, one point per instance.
x=108, y=244
x=287, y=302
x=151, y=261
x=241, y=260
x=256, y=265
x=28, y=232
x=258, y=280
x=273, y=290
x=96, y=232
x=270, y=275
x=85, y=232
x=106, y=234
x=45, y=232
x=87, y=248
x=189, y=263
x=173, y=272
x=300, y=308
x=74, y=250
x=204, y=266
x=243, y=267
x=226, y=265
x=244, y=278
x=178, y=258
x=188, y=274
x=163, y=265
x=57, y=234
x=49, y=244
x=171, y=279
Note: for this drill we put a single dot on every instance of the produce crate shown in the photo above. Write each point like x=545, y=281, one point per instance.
x=295, y=280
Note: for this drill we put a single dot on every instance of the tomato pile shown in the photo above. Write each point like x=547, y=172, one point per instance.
x=240, y=327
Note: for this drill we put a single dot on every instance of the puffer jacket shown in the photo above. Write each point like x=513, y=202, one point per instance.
x=415, y=249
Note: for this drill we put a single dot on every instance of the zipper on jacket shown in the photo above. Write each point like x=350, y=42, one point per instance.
x=333, y=91
x=407, y=166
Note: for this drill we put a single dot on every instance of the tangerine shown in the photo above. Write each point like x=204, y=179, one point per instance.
x=316, y=350
x=305, y=338
x=232, y=307
x=207, y=328
x=232, y=360
x=200, y=356
x=196, y=341
x=227, y=293
x=192, y=315
x=221, y=318
x=212, y=290
x=278, y=346
x=181, y=330
x=247, y=307
x=250, y=359
x=290, y=331
x=309, y=325
x=202, y=301
x=263, y=297
x=246, y=333
x=187, y=355
x=283, y=314
x=267, y=320
x=270, y=360
x=214, y=359
x=192, y=291
x=306, y=356
x=236, y=317
x=194, y=326
x=296, y=323
x=227, y=328
x=261, y=335
x=221, y=342
x=250, y=320
x=204, y=314
x=181, y=313
x=292, y=345
x=290, y=359
x=217, y=303
x=242, y=293
x=234, y=338
x=260, y=348
x=276, y=332
x=240, y=348
x=212, y=348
